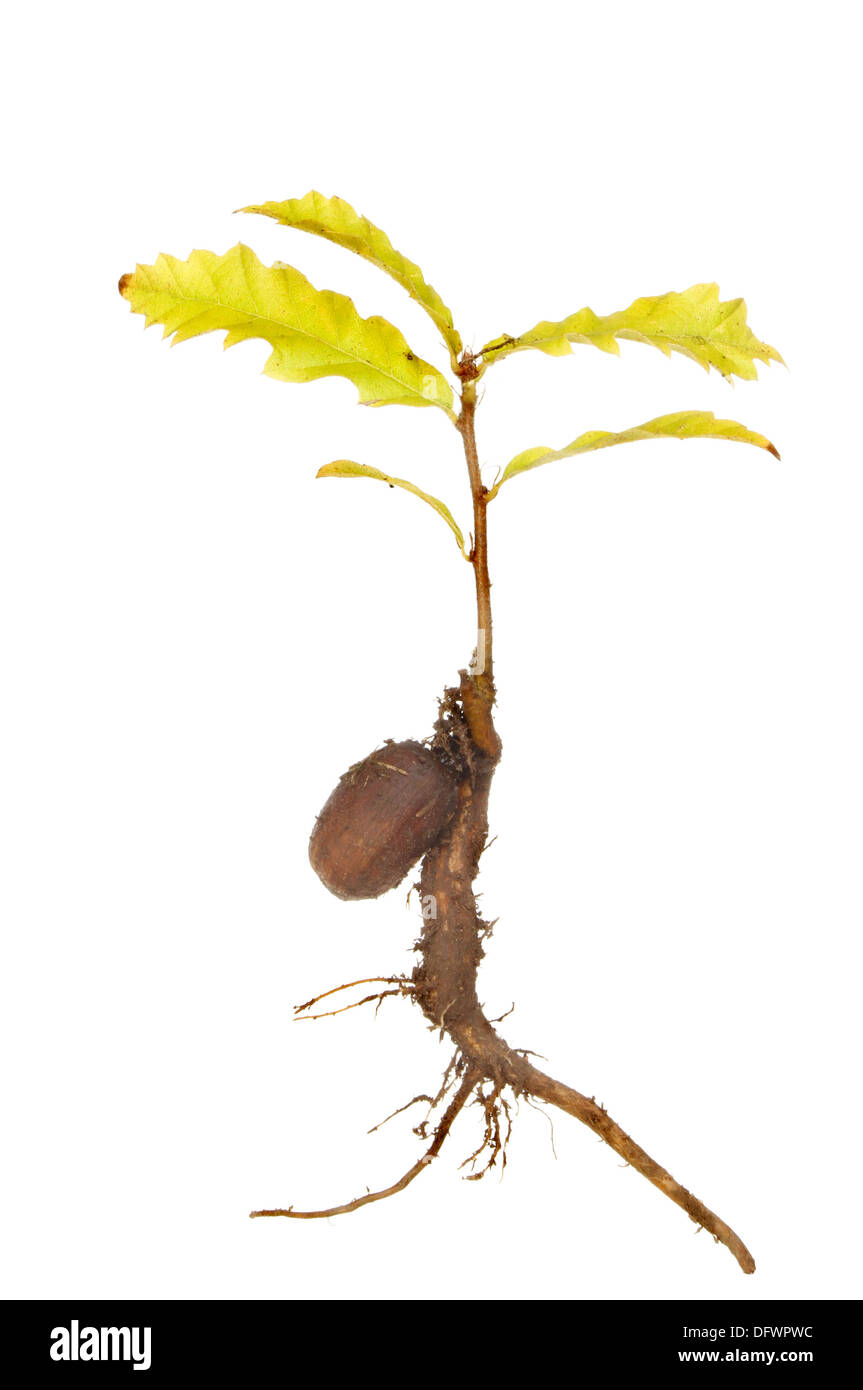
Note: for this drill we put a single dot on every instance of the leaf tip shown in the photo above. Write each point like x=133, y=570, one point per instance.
x=772, y=449
x=124, y=284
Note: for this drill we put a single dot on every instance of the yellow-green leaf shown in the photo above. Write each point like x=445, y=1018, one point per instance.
x=696, y=323
x=346, y=468
x=313, y=333
x=685, y=424
x=336, y=220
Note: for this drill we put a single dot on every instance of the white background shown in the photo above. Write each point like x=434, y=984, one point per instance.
x=198, y=638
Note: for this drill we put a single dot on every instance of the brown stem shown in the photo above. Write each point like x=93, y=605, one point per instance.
x=451, y=943
x=479, y=555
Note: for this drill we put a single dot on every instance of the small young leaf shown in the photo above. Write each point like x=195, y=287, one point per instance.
x=313, y=333
x=685, y=424
x=336, y=220
x=695, y=323
x=346, y=468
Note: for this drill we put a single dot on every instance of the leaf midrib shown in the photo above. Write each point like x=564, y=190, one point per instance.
x=638, y=333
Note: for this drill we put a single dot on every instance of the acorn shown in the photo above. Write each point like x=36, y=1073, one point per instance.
x=383, y=816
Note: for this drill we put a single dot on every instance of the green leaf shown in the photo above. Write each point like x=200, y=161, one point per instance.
x=346, y=468
x=336, y=220
x=313, y=333
x=695, y=323
x=685, y=424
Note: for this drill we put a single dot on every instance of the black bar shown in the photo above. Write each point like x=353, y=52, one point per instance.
x=221, y=1338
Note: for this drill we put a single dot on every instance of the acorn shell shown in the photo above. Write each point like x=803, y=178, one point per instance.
x=383, y=816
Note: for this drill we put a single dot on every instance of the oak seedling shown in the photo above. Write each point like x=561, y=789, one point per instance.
x=427, y=802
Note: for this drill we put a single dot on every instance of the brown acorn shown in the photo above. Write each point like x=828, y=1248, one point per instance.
x=383, y=816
